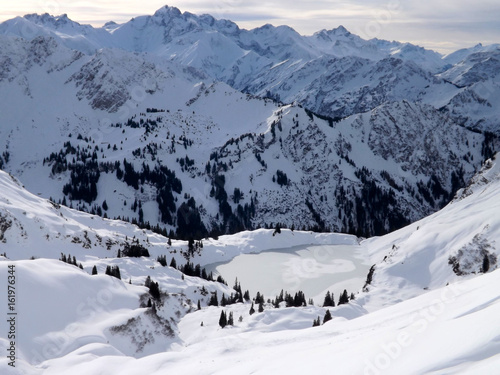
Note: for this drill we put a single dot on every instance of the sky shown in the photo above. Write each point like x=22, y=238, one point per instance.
x=441, y=25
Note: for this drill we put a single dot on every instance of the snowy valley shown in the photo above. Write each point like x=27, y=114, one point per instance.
x=181, y=195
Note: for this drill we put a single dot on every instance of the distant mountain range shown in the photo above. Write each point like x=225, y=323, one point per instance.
x=193, y=126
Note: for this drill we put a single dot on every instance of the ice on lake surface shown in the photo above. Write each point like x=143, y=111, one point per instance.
x=311, y=269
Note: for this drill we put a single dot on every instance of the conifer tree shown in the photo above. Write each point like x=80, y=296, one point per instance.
x=154, y=290
x=246, y=295
x=252, y=310
x=261, y=307
x=230, y=319
x=329, y=300
x=486, y=263
x=116, y=272
x=214, y=301
x=344, y=298
x=223, y=319
x=173, y=263
x=327, y=317
x=94, y=270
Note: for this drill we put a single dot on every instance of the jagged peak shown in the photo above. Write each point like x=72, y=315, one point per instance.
x=265, y=27
x=341, y=30
x=47, y=18
x=169, y=11
x=333, y=34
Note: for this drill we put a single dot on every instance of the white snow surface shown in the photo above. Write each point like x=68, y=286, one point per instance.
x=432, y=301
x=416, y=317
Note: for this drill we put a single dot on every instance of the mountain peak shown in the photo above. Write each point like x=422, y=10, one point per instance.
x=341, y=30
x=47, y=19
x=328, y=35
x=169, y=11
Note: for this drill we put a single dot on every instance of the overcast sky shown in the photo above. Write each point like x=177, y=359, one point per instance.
x=442, y=25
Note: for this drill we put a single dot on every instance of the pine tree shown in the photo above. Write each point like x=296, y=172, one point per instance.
x=277, y=229
x=173, y=263
x=252, y=310
x=199, y=305
x=223, y=319
x=230, y=319
x=329, y=300
x=115, y=271
x=486, y=263
x=94, y=270
x=259, y=298
x=261, y=307
x=214, y=301
x=316, y=322
x=246, y=295
x=162, y=259
x=344, y=298
x=327, y=317
x=154, y=290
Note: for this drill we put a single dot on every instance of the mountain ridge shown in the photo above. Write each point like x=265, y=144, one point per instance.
x=211, y=123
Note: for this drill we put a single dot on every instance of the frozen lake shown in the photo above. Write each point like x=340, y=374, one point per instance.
x=312, y=269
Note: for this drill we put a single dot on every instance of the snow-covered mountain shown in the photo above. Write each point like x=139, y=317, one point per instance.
x=333, y=72
x=477, y=76
x=137, y=136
